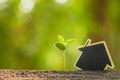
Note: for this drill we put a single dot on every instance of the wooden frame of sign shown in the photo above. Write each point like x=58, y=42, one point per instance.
x=88, y=43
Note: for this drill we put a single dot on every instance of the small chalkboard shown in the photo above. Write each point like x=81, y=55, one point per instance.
x=94, y=56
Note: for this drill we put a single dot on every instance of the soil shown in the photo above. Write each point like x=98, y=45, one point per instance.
x=58, y=75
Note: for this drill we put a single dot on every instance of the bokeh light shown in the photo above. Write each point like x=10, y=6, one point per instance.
x=3, y=4
x=3, y=1
x=61, y=1
x=26, y=6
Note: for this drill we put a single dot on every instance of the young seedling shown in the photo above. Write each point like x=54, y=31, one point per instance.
x=61, y=45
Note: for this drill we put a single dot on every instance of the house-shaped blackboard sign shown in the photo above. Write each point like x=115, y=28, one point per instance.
x=95, y=56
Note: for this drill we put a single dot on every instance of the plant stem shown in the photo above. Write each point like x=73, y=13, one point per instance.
x=64, y=59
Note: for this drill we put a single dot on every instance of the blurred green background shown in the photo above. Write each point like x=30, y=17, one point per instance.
x=29, y=29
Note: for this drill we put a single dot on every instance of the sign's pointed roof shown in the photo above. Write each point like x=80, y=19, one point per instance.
x=95, y=56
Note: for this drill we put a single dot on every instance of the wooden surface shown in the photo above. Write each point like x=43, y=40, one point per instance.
x=58, y=75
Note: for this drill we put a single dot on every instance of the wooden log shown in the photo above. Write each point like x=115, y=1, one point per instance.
x=58, y=75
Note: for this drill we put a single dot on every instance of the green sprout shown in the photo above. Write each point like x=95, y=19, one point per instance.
x=61, y=45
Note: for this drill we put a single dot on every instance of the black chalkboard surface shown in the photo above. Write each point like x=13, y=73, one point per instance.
x=94, y=57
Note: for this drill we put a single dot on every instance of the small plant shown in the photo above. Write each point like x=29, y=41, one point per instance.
x=61, y=45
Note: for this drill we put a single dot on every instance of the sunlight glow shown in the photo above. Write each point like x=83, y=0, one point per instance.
x=26, y=6
x=61, y=1
x=3, y=4
x=3, y=1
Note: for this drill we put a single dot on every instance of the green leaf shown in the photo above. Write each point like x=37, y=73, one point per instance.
x=60, y=46
x=70, y=40
x=61, y=39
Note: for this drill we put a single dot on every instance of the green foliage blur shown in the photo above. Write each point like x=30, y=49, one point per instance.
x=29, y=28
